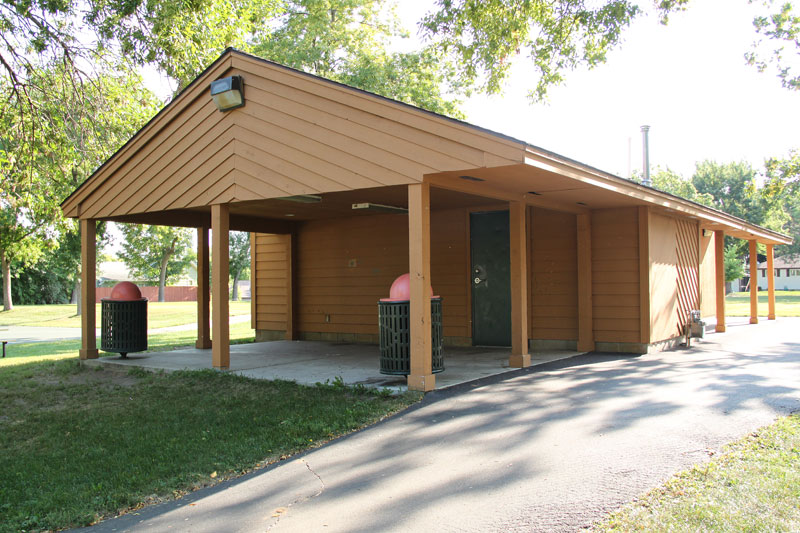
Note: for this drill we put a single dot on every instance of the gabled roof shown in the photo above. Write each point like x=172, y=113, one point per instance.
x=300, y=134
x=297, y=134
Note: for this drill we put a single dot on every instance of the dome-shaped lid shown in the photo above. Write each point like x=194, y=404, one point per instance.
x=401, y=288
x=126, y=291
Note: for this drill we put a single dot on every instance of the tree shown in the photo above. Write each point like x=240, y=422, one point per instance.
x=668, y=181
x=156, y=253
x=783, y=186
x=239, y=258
x=51, y=148
x=484, y=36
x=782, y=29
x=348, y=41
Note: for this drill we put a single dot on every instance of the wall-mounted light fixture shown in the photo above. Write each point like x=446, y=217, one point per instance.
x=228, y=93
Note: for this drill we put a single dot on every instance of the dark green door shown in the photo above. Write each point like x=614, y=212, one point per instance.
x=491, y=279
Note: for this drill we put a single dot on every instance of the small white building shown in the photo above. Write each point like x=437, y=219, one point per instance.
x=787, y=273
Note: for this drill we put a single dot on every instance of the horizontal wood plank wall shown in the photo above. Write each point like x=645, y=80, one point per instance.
x=554, y=275
x=344, y=266
x=708, y=272
x=270, y=290
x=615, y=275
x=664, y=280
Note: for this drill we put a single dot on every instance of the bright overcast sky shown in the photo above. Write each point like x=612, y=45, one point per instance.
x=687, y=80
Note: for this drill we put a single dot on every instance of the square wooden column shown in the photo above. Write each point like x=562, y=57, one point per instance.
x=203, y=291
x=518, y=234
x=753, y=282
x=719, y=264
x=88, y=292
x=421, y=377
x=585, y=318
x=771, y=281
x=291, y=245
x=220, y=260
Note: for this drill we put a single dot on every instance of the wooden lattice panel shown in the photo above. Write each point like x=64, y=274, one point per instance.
x=688, y=265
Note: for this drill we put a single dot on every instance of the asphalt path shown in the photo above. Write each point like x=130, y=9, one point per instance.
x=551, y=448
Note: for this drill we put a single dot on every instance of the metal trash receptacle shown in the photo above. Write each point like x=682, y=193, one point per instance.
x=123, y=323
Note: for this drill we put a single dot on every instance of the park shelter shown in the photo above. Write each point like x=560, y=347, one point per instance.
x=344, y=190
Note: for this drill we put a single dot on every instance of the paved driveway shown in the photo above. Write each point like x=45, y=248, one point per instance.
x=551, y=449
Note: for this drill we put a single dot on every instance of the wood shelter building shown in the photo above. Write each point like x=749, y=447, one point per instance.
x=344, y=190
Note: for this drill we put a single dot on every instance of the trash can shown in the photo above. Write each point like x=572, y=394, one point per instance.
x=123, y=323
x=395, y=332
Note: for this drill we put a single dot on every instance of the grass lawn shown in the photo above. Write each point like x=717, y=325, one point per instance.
x=159, y=314
x=17, y=354
x=82, y=443
x=787, y=303
x=753, y=486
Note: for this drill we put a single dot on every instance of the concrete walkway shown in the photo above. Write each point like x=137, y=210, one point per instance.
x=552, y=448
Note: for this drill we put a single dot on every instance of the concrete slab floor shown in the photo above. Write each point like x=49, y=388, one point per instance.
x=316, y=362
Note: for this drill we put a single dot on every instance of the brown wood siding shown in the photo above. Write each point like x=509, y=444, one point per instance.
x=708, y=276
x=270, y=288
x=663, y=281
x=344, y=266
x=554, y=275
x=615, y=275
x=688, y=269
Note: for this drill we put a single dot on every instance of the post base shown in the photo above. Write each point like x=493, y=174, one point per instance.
x=91, y=353
x=720, y=328
x=520, y=361
x=422, y=383
x=753, y=320
x=585, y=346
x=771, y=317
x=203, y=344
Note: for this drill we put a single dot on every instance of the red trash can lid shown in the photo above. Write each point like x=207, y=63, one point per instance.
x=126, y=291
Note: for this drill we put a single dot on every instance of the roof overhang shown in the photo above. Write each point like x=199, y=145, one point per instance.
x=300, y=134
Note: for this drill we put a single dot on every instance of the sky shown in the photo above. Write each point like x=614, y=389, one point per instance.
x=688, y=81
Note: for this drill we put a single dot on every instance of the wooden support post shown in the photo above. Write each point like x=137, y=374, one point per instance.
x=644, y=275
x=220, y=257
x=203, y=291
x=291, y=240
x=771, y=281
x=88, y=289
x=753, y=282
x=719, y=265
x=421, y=377
x=253, y=280
x=518, y=234
x=585, y=319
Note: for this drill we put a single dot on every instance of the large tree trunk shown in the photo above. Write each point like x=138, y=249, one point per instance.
x=235, y=295
x=8, y=305
x=76, y=296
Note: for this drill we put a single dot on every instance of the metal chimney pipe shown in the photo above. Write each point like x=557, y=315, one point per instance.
x=646, y=157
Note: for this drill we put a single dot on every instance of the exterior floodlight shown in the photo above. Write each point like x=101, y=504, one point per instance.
x=228, y=93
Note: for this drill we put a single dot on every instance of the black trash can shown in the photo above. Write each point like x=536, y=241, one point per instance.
x=123, y=323
x=395, y=336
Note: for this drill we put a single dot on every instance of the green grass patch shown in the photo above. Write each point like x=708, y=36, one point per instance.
x=159, y=314
x=753, y=486
x=80, y=443
x=17, y=354
x=787, y=303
